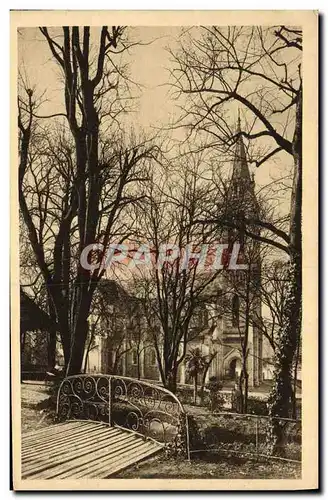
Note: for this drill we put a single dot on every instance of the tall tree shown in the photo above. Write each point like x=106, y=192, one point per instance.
x=177, y=282
x=82, y=180
x=259, y=70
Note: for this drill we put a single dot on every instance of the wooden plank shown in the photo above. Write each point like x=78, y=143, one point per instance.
x=120, y=454
x=99, y=447
x=42, y=445
x=67, y=423
x=81, y=468
x=122, y=460
x=81, y=449
x=72, y=438
x=58, y=449
x=57, y=432
x=54, y=428
x=141, y=455
x=83, y=459
x=70, y=446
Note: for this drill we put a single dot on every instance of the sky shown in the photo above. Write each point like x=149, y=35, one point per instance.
x=150, y=66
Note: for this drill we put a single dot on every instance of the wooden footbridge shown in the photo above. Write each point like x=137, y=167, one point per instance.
x=106, y=423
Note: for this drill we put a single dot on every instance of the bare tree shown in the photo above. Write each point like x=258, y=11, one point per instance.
x=75, y=185
x=273, y=289
x=259, y=70
x=175, y=283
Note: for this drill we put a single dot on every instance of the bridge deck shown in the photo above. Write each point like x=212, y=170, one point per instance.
x=82, y=449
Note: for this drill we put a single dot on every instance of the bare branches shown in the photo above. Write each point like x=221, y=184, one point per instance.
x=80, y=187
x=291, y=37
x=56, y=50
x=217, y=66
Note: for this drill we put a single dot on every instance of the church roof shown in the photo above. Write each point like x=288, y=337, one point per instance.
x=32, y=317
x=112, y=290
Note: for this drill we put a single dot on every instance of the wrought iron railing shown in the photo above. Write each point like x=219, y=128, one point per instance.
x=144, y=408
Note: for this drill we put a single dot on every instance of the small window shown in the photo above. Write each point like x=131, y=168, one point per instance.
x=134, y=357
x=204, y=317
x=152, y=357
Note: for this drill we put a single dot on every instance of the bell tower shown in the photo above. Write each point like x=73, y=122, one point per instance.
x=243, y=210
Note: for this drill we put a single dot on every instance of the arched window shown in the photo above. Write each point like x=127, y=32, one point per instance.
x=235, y=310
x=152, y=357
x=203, y=317
x=134, y=357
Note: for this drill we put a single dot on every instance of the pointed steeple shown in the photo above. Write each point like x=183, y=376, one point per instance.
x=240, y=168
x=242, y=182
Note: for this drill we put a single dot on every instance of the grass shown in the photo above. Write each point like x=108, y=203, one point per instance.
x=33, y=417
x=211, y=468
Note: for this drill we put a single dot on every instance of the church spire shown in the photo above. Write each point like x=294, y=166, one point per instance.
x=238, y=123
x=242, y=182
x=240, y=167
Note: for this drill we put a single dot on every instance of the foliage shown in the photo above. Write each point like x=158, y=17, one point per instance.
x=282, y=400
x=195, y=362
x=240, y=434
x=196, y=439
x=216, y=400
x=257, y=406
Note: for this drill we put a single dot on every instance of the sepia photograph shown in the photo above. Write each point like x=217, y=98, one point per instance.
x=164, y=308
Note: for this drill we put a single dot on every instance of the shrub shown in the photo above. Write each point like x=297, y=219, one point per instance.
x=196, y=436
x=216, y=399
x=257, y=406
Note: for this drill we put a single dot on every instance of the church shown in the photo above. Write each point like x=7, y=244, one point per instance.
x=227, y=329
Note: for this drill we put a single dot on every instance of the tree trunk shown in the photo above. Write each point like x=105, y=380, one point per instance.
x=206, y=368
x=243, y=379
x=171, y=380
x=51, y=350
x=86, y=358
x=138, y=365
x=294, y=401
x=195, y=388
x=202, y=387
x=77, y=351
x=241, y=394
x=280, y=403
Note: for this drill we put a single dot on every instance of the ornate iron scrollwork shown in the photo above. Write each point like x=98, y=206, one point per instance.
x=136, y=405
